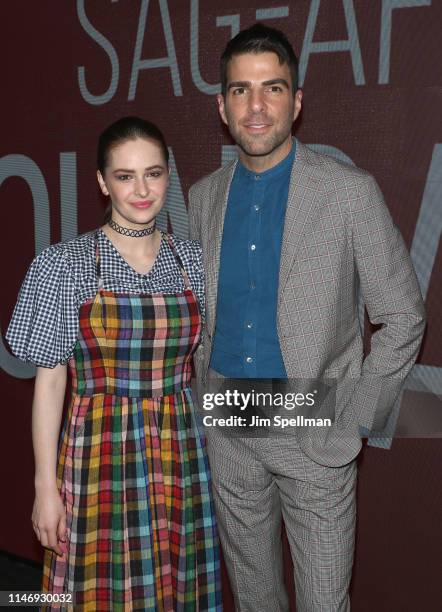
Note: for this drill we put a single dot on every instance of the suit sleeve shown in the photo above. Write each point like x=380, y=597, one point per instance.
x=393, y=300
x=194, y=212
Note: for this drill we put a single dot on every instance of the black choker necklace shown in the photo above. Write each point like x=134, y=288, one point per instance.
x=133, y=233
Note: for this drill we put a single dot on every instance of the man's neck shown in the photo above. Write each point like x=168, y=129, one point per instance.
x=261, y=163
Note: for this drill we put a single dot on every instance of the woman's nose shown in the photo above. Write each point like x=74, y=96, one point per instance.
x=141, y=187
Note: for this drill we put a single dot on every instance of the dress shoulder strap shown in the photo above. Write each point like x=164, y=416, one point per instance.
x=97, y=261
x=179, y=261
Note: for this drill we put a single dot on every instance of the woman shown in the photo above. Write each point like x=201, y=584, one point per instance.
x=127, y=515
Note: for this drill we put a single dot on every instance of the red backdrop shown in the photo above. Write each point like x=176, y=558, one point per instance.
x=370, y=71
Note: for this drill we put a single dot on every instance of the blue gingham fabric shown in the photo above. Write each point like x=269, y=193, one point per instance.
x=44, y=326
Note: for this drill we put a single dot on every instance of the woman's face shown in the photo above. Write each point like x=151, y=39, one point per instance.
x=136, y=179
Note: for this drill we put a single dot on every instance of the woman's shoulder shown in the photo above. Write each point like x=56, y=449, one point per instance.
x=76, y=247
x=189, y=251
x=45, y=319
x=65, y=254
x=186, y=248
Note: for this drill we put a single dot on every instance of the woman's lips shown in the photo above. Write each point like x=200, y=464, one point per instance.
x=142, y=204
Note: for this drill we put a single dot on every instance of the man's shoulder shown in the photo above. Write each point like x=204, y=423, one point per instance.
x=206, y=182
x=332, y=171
x=341, y=183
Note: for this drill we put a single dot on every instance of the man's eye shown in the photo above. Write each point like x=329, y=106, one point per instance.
x=238, y=91
x=275, y=88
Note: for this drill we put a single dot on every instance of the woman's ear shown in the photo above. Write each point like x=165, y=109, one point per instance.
x=102, y=184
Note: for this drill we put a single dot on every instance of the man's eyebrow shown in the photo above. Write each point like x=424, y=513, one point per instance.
x=239, y=84
x=277, y=81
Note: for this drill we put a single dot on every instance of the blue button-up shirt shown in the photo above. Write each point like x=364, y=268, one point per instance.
x=245, y=343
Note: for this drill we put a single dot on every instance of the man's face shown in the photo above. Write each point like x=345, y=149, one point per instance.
x=259, y=107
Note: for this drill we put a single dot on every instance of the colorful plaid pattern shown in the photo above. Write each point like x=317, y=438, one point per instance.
x=144, y=348
x=133, y=470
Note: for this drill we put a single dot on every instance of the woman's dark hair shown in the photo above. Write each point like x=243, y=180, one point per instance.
x=260, y=38
x=126, y=128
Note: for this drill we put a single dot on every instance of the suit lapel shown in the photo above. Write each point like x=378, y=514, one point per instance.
x=303, y=199
x=218, y=203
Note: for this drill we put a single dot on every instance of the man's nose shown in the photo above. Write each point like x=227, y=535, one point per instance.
x=256, y=101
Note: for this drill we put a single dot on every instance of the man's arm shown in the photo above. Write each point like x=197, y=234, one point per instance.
x=393, y=300
x=194, y=212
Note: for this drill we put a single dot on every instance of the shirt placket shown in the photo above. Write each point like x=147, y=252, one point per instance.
x=255, y=293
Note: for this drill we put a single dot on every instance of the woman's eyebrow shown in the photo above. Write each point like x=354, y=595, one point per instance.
x=129, y=171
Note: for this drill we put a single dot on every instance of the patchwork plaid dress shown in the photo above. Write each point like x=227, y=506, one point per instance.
x=133, y=471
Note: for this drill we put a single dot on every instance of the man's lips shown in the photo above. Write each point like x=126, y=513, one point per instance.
x=142, y=204
x=256, y=126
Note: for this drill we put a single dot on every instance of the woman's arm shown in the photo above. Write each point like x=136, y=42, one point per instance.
x=48, y=515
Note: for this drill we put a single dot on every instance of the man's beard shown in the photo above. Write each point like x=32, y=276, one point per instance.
x=261, y=144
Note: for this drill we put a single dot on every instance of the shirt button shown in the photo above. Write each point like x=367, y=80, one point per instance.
x=252, y=247
x=249, y=325
x=257, y=177
x=256, y=207
x=249, y=359
x=252, y=286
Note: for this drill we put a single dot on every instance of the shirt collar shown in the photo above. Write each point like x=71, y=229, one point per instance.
x=284, y=166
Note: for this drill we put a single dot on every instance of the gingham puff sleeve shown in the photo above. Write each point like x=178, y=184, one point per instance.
x=44, y=326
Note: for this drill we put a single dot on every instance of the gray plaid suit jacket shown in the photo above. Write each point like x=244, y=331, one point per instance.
x=338, y=237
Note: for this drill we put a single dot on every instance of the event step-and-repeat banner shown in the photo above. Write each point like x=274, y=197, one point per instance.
x=370, y=73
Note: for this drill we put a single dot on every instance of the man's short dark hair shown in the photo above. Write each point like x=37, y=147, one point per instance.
x=260, y=38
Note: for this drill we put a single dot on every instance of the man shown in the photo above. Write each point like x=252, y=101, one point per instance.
x=287, y=236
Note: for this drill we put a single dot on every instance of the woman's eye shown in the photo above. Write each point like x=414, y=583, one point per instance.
x=155, y=174
x=123, y=177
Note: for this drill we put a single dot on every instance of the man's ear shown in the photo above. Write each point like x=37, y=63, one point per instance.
x=221, y=107
x=298, y=104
